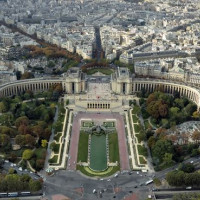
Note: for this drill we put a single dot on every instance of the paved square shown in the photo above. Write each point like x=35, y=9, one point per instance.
x=73, y=151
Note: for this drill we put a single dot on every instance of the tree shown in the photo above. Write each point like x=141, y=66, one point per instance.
x=20, y=140
x=39, y=164
x=11, y=171
x=179, y=103
x=167, y=159
x=153, y=109
x=38, y=130
x=160, y=148
x=141, y=136
x=7, y=119
x=151, y=98
x=35, y=185
x=24, y=129
x=1, y=163
x=187, y=167
x=151, y=142
x=176, y=178
x=196, y=115
x=27, y=154
x=30, y=140
x=27, y=75
x=7, y=131
x=163, y=110
x=174, y=111
x=12, y=157
x=2, y=107
x=47, y=133
x=4, y=140
x=44, y=143
x=21, y=121
x=196, y=136
x=190, y=108
x=13, y=182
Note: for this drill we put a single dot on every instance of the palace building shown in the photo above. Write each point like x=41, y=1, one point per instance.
x=101, y=93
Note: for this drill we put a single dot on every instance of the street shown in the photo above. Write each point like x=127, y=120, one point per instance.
x=76, y=186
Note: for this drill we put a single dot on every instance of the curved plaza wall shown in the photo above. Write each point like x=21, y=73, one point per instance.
x=14, y=88
x=167, y=86
x=42, y=84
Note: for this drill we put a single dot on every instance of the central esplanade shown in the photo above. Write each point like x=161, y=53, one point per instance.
x=101, y=92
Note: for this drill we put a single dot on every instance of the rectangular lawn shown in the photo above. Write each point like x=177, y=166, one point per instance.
x=113, y=147
x=83, y=147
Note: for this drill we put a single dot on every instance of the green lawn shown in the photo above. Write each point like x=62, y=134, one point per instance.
x=53, y=160
x=146, y=124
x=137, y=128
x=136, y=110
x=113, y=147
x=57, y=147
x=105, y=71
x=83, y=147
x=135, y=118
x=98, y=158
x=107, y=173
x=57, y=136
x=142, y=150
x=109, y=124
x=87, y=124
x=142, y=161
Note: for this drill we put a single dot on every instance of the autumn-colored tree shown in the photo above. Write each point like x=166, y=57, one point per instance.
x=172, y=138
x=153, y=109
x=39, y=164
x=58, y=88
x=30, y=140
x=150, y=98
x=184, y=137
x=196, y=136
x=163, y=110
x=160, y=130
x=151, y=142
x=27, y=154
x=47, y=133
x=44, y=143
x=24, y=129
x=27, y=75
x=38, y=130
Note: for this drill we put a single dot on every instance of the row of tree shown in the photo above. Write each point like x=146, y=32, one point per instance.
x=180, y=178
x=51, y=52
x=14, y=182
